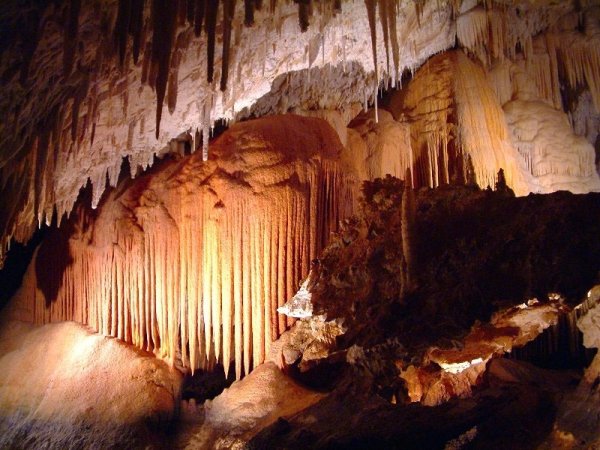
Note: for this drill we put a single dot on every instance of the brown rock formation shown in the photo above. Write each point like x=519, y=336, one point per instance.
x=193, y=259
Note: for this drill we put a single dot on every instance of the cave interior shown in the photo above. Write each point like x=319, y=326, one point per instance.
x=300, y=224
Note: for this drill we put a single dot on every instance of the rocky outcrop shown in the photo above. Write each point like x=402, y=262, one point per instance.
x=465, y=128
x=577, y=423
x=248, y=406
x=62, y=386
x=86, y=84
x=475, y=272
x=382, y=146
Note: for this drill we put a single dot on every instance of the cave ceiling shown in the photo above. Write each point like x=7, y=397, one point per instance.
x=87, y=83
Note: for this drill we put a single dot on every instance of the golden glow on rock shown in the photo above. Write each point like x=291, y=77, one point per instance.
x=192, y=262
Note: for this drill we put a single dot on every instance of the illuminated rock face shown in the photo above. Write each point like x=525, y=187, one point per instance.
x=85, y=84
x=191, y=261
x=555, y=157
x=248, y=406
x=62, y=386
x=379, y=147
x=589, y=322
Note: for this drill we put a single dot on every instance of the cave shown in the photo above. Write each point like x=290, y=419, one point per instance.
x=335, y=224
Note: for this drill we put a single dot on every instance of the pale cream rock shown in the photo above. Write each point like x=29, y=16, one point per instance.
x=63, y=376
x=387, y=146
x=557, y=158
x=247, y=407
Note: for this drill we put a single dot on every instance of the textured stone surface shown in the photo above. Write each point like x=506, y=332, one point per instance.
x=62, y=386
x=248, y=406
x=384, y=147
x=577, y=423
x=84, y=83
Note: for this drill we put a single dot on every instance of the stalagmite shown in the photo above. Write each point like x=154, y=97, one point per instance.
x=191, y=262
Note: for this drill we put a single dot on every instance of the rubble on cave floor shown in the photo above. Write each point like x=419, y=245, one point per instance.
x=428, y=318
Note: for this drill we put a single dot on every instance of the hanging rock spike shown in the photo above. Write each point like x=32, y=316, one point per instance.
x=164, y=16
x=212, y=10
x=249, y=12
x=371, y=5
x=70, y=42
x=199, y=12
x=228, y=12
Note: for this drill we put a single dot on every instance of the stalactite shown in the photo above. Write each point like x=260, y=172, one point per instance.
x=212, y=8
x=70, y=40
x=206, y=127
x=199, y=13
x=392, y=9
x=152, y=37
x=190, y=11
x=78, y=98
x=371, y=13
x=493, y=34
x=228, y=12
x=452, y=113
x=303, y=13
x=197, y=263
x=173, y=77
x=249, y=12
x=164, y=21
x=384, y=17
x=30, y=42
x=121, y=28
x=472, y=32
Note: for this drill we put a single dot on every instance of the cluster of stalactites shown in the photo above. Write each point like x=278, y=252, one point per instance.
x=195, y=276
x=458, y=130
x=151, y=33
x=565, y=51
x=156, y=34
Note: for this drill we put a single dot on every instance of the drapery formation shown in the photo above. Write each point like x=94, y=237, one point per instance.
x=192, y=261
x=466, y=124
x=85, y=84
